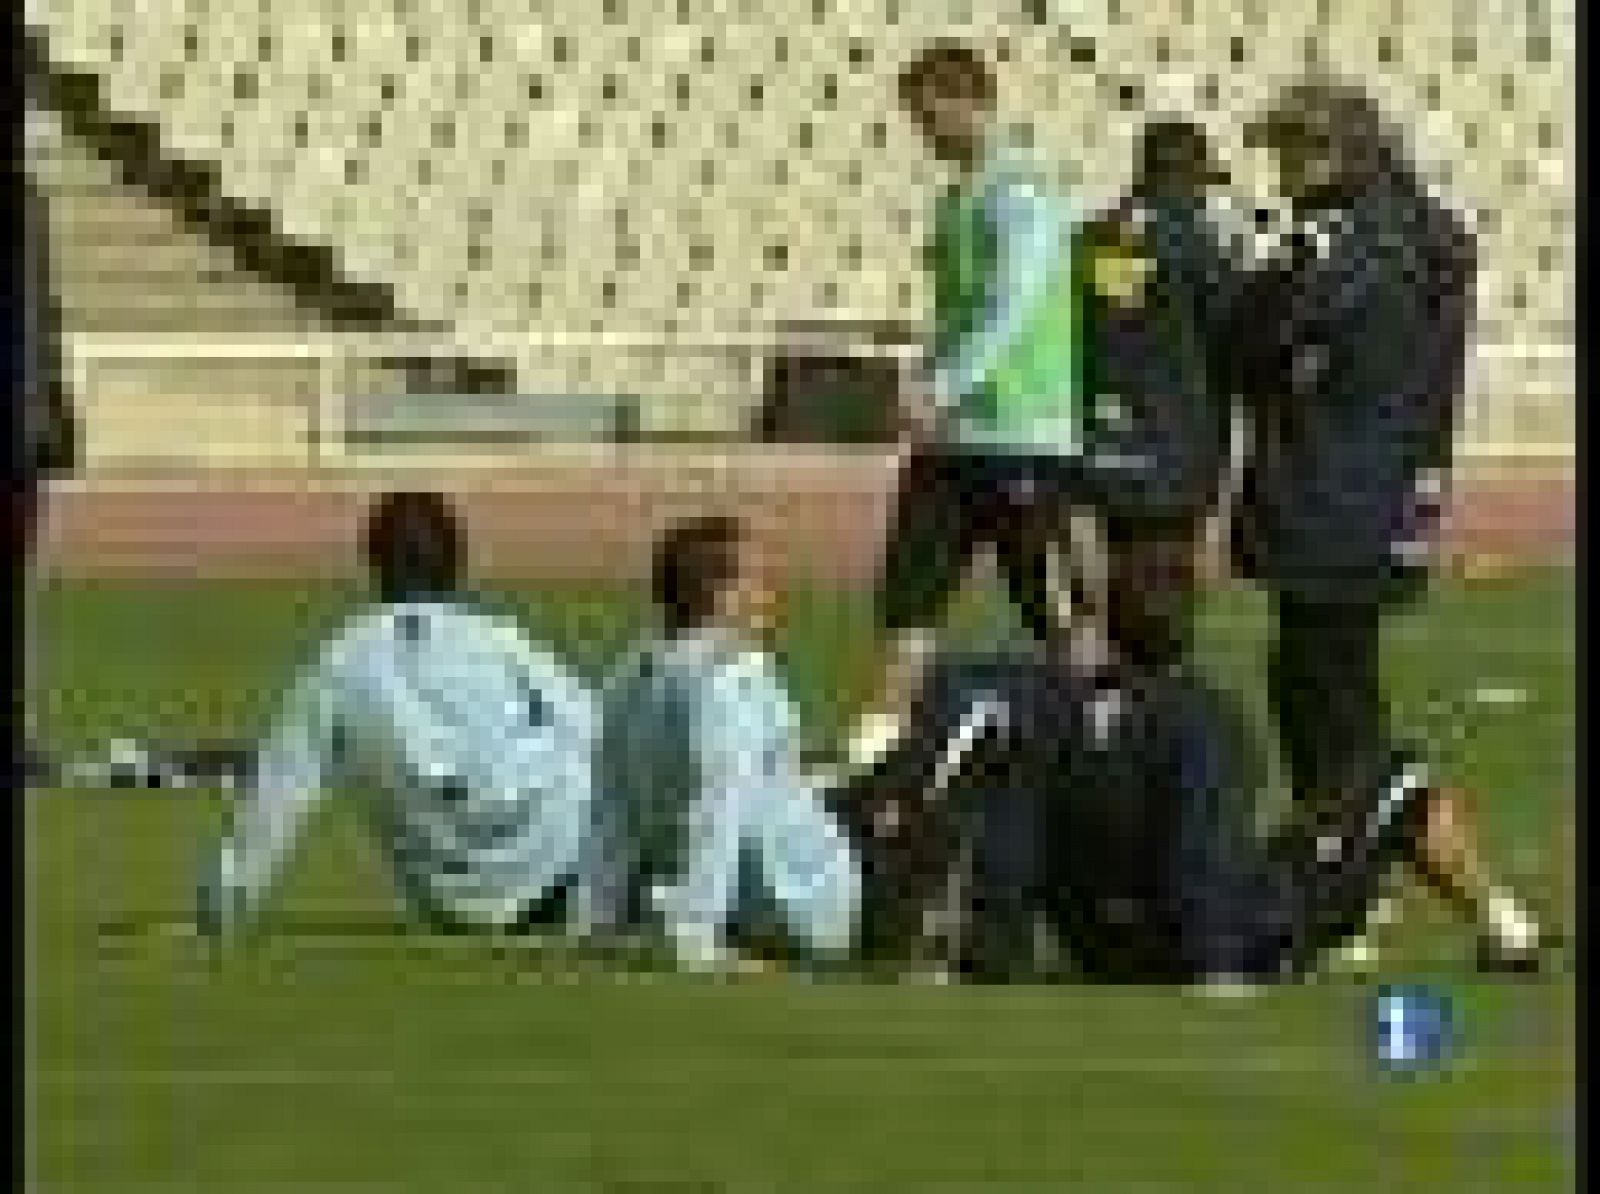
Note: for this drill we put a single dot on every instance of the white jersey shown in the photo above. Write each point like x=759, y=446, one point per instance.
x=473, y=745
x=698, y=771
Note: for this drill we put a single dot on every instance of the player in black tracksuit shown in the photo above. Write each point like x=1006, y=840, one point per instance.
x=1116, y=802
x=1117, y=806
x=1159, y=395
x=1353, y=345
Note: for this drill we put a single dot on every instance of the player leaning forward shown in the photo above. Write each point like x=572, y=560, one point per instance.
x=472, y=745
x=996, y=428
x=705, y=828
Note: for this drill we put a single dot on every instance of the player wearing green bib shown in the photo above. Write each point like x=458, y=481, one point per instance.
x=1005, y=338
x=997, y=428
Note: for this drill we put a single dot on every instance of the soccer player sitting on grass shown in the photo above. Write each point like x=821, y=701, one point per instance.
x=704, y=825
x=473, y=745
x=1114, y=802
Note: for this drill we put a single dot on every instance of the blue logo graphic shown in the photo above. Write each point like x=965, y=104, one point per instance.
x=1414, y=1028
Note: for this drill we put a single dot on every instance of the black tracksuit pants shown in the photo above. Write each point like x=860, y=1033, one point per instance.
x=1326, y=690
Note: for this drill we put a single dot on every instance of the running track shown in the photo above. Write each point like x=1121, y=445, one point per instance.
x=594, y=521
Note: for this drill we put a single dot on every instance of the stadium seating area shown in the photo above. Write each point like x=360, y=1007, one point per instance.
x=623, y=198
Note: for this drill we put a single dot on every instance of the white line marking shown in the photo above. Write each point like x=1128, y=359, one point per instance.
x=1279, y=1060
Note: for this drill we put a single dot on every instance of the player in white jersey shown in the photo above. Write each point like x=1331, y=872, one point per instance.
x=472, y=746
x=704, y=823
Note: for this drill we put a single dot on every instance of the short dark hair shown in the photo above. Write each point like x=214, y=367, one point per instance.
x=949, y=67
x=1173, y=149
x=413, y=542
x=695, y=562
x=1342, y=119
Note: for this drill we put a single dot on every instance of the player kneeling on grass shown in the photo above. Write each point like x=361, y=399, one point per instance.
x=474, y=745
x=1115, y=803
x=704, y=825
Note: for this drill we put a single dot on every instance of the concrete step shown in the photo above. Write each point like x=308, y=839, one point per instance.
x=115, y=214
x=166, y=283
x=200, y=411
x=174, y=251
x=75, y=172
x=155, y=267
x=138, y=431
x=185, y=321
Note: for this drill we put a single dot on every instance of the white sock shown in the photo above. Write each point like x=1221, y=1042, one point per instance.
x=1511, y=925
x=700, y=949
x=1358, y=953
x=873, y=738
x=1385, y=912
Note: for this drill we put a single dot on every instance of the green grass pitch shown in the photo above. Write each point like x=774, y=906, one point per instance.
x=342, y=1055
